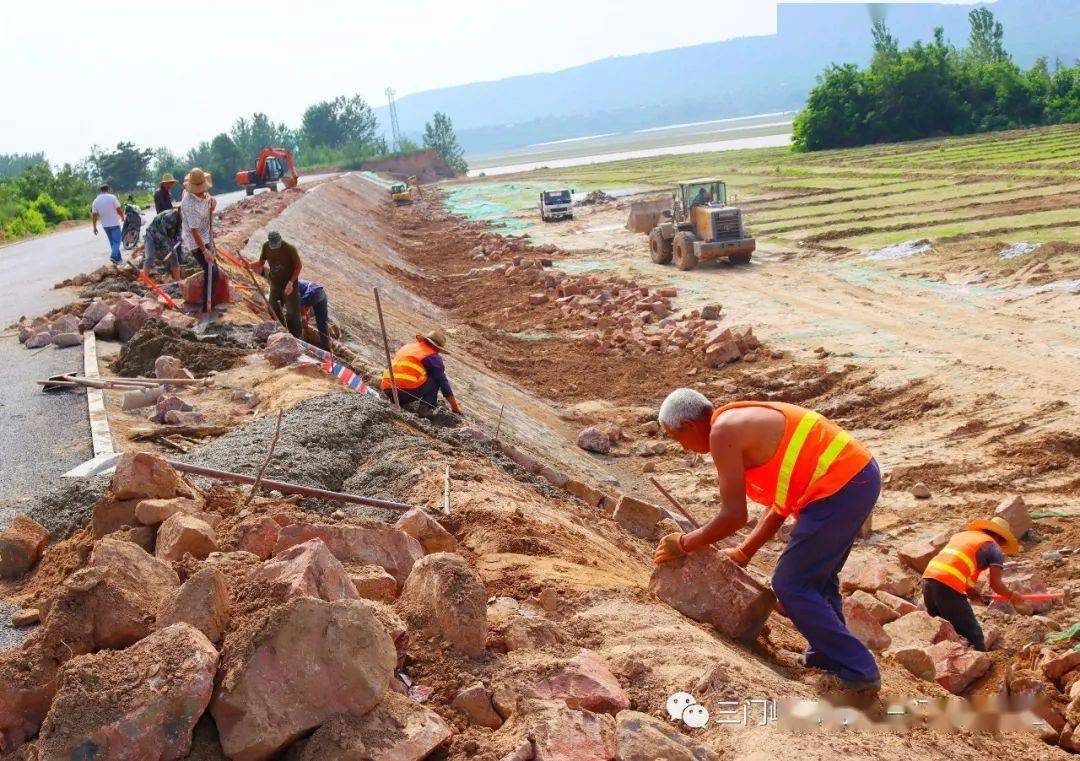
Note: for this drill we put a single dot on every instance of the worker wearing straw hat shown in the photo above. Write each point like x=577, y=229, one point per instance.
x=197, y=209
x=951, y=577
x=420, y=374
x=163, y=195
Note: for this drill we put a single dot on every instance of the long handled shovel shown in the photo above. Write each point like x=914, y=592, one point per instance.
x=204, y=323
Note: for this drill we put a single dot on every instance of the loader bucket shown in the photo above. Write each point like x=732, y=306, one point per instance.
x=644, y=215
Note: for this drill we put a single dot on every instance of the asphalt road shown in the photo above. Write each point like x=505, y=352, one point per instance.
x=43, y=435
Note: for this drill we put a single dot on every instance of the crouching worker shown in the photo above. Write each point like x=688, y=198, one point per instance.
x=801, y=465
x=951, y=577
x=420, y=374
x=162, y=239
x=313, y=301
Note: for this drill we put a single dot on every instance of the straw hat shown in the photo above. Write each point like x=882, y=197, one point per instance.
x=197, y=181
x=999, y=527
x=167, y=178
x=436, y=338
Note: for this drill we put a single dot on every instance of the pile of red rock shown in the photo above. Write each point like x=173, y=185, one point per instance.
x=1050, y=678
x=258, y=617
x=113, y=316
x=631, y=320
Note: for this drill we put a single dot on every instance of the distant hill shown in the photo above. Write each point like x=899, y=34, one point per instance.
x=739, y=77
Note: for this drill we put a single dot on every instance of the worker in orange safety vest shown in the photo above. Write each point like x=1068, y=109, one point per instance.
x=420, y=374
x=950, y=578
x=802, y=465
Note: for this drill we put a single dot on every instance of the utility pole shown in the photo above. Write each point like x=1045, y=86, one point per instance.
x=394, y=129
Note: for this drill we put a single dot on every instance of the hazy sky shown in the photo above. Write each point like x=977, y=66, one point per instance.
x=79, y=72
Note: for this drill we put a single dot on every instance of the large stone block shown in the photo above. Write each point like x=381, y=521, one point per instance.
x=707, y=587
x=637, y=517
x=138, y=703
x=956, y=665
x=141, y=475
x=444, y=597
x=312, y=660
x=919, y=629
x=917, y=553
x=862, y=622
x=1014, y=511
x=585, y=682
x=305, y=570
x=390, y=548
x=21, y=546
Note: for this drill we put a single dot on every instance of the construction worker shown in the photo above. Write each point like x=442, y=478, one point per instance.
x=802, y=465
x=163, y=195
x=313, y=300
x=162, y=239
x=420, y=374
x=950, y=578
x=284, y=263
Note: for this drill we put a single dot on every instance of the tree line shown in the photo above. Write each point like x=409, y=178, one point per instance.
x=934, y=88
x=342, y=133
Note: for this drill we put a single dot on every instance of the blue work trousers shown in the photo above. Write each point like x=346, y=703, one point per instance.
x=113, y=234
x=807, y=576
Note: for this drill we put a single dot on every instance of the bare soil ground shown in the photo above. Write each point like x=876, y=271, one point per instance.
x=972, y=395
x=928, y=381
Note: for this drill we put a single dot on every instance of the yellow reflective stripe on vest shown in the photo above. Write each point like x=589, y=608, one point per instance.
x=791, y=456
x=939, y=566
x=828, y=457
x=399, y=364
x=968, y=561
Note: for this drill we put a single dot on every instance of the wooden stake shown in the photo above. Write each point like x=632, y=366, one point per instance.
x=498, y=426
x=266, y=462
x=675, y=502
x=386, y=345
x=446, y=491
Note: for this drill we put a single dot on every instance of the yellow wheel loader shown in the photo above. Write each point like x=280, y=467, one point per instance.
x=700, y=227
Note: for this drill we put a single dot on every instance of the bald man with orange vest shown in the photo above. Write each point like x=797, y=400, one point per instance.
x=420, y=374
x=801, y=465
x=950, y=579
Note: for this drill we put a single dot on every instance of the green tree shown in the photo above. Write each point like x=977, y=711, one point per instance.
x=886, y=47
x=439, y=134
x=258, y=132
x=164, y=160
x=835, y=112
x=339, y=122
x=124, y=168
x=986, y=39
x=12, y=164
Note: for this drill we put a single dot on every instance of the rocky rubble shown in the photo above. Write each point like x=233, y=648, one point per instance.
x=619, y=316
x=111, y=316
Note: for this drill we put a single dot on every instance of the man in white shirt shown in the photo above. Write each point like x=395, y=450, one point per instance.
x=106, y=209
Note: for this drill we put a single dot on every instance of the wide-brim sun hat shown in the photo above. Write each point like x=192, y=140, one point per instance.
x=167, y=178
x=999, y=527
x=198, y=181
x=436, y=338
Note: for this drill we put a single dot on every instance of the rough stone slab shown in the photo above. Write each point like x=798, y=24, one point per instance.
x=707, y=587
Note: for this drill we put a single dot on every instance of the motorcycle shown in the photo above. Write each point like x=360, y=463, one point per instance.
x=129, y=233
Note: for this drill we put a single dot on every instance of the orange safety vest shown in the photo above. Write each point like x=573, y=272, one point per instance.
x=956, y=565
x=815, y=459
x=408, y=364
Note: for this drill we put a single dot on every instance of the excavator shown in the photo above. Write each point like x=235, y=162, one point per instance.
x=402, y=193
x=274, y=164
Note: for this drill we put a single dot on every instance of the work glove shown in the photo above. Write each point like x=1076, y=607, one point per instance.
x=738, y=557
x=670, y=548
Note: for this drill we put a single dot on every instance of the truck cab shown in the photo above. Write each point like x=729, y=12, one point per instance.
x=556, y=204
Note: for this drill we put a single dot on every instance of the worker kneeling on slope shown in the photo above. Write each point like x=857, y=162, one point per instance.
x=420, y=374
x=799, y=464
x=950, y=578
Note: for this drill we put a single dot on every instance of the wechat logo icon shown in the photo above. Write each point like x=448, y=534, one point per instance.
x=682, y=706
